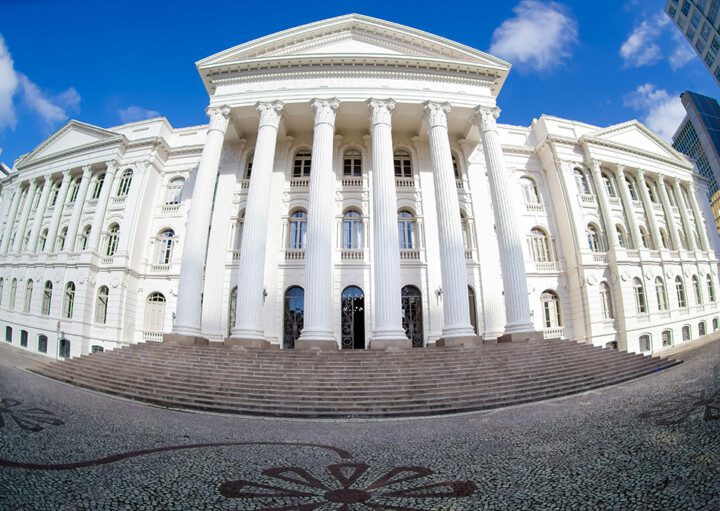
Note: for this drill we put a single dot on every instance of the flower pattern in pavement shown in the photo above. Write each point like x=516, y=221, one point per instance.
x=400, y=489
x=28, y=419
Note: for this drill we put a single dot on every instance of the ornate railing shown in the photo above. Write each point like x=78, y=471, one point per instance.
x=587, y=199
x=409, y=254
x=468, y=254
x=245, y=184
x=554, y=333
x=600, y=258
x=614, y=201
x=547, y=266
x=153, y=336
x=352, y=254
x=459, y=183
x=405, y=182
x=299, y=182
x=294, y=254
x=534, y=207
x=119, y=200
x=160, y=268
x=352, y=182
x=170, y=208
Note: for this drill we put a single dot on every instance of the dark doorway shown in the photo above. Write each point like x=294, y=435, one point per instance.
x=412, y=315
x=473, y=309
x=353, y=318
x=293, y=316
x=64, y=348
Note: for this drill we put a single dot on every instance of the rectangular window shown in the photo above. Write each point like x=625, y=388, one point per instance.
x=690, y=33
x=717, y=73
x=8, y=334
x=672, y=11
x=714, y=46
x=700, y=46
x=705, y=32
x=695, y=20
x=709, y=59
x=685, y=7
x=714, y=9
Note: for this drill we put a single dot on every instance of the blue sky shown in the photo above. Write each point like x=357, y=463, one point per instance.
x=106, y=63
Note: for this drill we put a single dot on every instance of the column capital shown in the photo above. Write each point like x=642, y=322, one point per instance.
x=325, y=110
x=141, y=166
x=436, y=113
x=596, y=165
x=640, y=173
x=66, y=175
x=270, y=113
x=219, y=117
x=676, y=182
x=112, y=166
x=33, y=181
x=621, y=170
x=381, y=111
x=87, y=171
x=486, y=117
x=661, y=181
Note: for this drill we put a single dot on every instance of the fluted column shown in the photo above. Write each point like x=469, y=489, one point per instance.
x=251, y=275
x=25, y=215
x=318, y=318
x=629, y=208
x=57, y=212
x=10, y=222
x=188, y=314
x=649, y=210
x=689, y=236
x=699, y=222
x=101, y=207
x=669, y=216
x=39, y=215
x=605, y=211
x=517, y=307
x=387, y=309
x=70, y=241
x=456, y=314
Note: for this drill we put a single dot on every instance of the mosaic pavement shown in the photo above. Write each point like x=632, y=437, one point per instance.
x=651, y=444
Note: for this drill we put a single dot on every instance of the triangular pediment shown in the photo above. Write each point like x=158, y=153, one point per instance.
x=72, y=136
x=635, y=135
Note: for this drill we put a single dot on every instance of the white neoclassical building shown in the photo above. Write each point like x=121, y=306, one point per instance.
x=353, y=189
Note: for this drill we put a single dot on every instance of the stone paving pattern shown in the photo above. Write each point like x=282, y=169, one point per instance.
x=651, y=444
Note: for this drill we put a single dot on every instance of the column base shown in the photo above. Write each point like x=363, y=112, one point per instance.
x=532, y=335
x=185, y=340
x=465, y=340
x=316, y=345
x=390, y=344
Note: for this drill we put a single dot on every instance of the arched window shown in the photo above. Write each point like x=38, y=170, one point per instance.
x=631, y=188
x=73, y=191
x=683, y=239
x=69, y=301
x=581, y=181
x=25, y=241
x=28, y=295
x=352, y=230
x=403, y=164
x=47, y=298
x=248, y=167
x=352, y=163
x=154, y=313
x=551, y=309
x=661, y=294
x=622, y=236
x=232, y=310
x=702, y=329
x=680, y=290
x=697, y=290
x=645, y=237
x=467, y=236
x=54, y=193
x=112, y=239
x=593, y=237
x=101, y=306
x=60, y=240
x=64, y=348
x=671, y=195
x=686, y=333
x=645, y=343
x=406, y=229
x=666, y=337
x=456, y=167
x=173, y=194
x=125, y=181
x=540, y=246
x=164, y=244
x=609, y=183
x=97, y=186
x=13, y=292
x=83, y=238
x=529, y=190
x=640, y=304
x=43, y=239
x=298, y=227
x=716, y=324
x=606, y=301
x=652, y=191
x=302, y=164
x=42, y=343
x=665, y=239
x=710, y=287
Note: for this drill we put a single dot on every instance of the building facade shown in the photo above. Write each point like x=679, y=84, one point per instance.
x=353, y=189
x=698, y=21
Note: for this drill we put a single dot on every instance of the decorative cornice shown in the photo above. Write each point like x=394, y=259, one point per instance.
x=633, y=150
x=120, y=141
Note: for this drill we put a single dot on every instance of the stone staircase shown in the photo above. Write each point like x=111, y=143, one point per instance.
x=344, y=384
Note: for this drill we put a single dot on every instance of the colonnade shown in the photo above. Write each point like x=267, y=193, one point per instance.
x=318, y=328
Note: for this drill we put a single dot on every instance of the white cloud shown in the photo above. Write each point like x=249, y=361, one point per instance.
x=8, y=87
x=641, y=48
x=663, y=111
x=136, y=113
x=683, y=52
x=539, y=37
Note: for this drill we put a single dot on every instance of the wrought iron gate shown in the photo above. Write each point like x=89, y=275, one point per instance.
x=353, y=318
x=412, y=319
x=293, y=315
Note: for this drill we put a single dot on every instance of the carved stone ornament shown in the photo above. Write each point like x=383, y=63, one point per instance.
x=648, y=275
x=325, y=110
x=436, y=113
x=219, y=118
x=625, y=276
x=81, y=279
x=592, y=280
x=58, y=277
x=87, y=171
x=486, y=117
x=613, y=277
x=686, y=272
x=38, y=276
x=668, y=274
x=115, y=283
x=174, y=291
x=381, y=111
x=270, y=113
x=111, y=167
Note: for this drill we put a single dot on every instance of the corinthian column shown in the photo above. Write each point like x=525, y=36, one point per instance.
x=188, y=316
x=39, y=214
x=101, y=207
x=699, y=223
x=669, y=216
x=649, y=210
x=249, y=316
x=57, y=212
x=610, y=232
x=318, y=326
x=388, y=330
x=510, y=241
x=456, y=313
x=689, y=235
x=10, y=222
x=25, y=215
x=628, y=206
x=70, y=241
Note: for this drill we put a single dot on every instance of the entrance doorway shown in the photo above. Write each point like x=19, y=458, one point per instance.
x=412, y=315
x=293, y=315
x=353, y=318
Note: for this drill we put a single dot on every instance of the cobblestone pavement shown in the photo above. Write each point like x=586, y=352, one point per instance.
x=651, y=444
